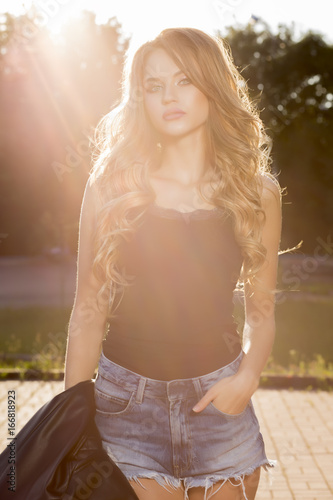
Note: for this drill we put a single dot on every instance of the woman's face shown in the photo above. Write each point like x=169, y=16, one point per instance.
x=174, y=105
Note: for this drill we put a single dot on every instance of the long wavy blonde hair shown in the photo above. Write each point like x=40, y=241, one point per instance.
x=127, y=152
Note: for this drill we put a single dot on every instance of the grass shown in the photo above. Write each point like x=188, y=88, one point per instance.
x=39, y=332
x=316, y=288
x=317, y=367
x=306, y=328
x=303, y=344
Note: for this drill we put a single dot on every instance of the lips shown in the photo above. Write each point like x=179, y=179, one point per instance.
x=173, y=114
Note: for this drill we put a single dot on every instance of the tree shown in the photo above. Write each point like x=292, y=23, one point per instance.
x=291, y=80
x=52, y=94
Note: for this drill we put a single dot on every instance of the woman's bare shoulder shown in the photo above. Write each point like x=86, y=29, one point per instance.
x=91, y=201
x=271, y=191
x=91, y=191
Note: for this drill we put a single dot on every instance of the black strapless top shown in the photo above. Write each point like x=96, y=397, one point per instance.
x=176, y=318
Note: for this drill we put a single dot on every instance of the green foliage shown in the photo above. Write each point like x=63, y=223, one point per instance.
x=37, y=331
x=316, y=367
x=52, y=95
x=291, y=82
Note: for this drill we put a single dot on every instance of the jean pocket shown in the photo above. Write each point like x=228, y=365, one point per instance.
x=112, y=399
x=228, y=415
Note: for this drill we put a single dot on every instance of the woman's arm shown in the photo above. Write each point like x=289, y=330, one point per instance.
x=87, y=323
x=232, y=394
x=259, y=327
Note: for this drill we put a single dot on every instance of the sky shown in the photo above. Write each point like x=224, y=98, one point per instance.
x=144, y=19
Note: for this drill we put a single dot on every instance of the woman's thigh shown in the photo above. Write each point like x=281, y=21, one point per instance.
x=151, y=490
x=230, y=491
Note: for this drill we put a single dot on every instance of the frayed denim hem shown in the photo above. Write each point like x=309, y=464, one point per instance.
x=234, y=479
x=171, y=483
x=167, y=482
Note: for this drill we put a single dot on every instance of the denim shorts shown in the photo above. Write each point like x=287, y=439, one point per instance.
x=149, y=429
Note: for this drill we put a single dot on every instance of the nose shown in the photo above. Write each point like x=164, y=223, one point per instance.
x=169, y=94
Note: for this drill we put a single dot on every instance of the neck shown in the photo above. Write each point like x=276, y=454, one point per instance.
x=184, y=159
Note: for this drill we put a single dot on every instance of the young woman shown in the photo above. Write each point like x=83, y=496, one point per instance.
x=179, y=207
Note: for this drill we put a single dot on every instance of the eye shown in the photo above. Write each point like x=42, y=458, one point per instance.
x=184, y=81
x=153, y=87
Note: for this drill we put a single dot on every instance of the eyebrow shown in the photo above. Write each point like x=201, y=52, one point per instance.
x=156, y=78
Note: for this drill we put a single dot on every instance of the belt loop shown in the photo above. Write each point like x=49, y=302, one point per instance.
x=140, y=391
x=198, y=388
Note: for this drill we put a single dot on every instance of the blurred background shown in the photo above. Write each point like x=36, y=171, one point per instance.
x=60, y=72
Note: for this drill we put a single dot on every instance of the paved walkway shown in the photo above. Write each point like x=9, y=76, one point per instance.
x=297, y=427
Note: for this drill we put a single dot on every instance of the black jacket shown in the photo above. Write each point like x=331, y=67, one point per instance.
x=59, y=455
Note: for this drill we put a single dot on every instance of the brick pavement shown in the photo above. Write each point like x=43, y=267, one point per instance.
x=297, y=427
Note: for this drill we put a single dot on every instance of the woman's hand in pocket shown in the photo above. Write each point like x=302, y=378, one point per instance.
x=230, y=395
